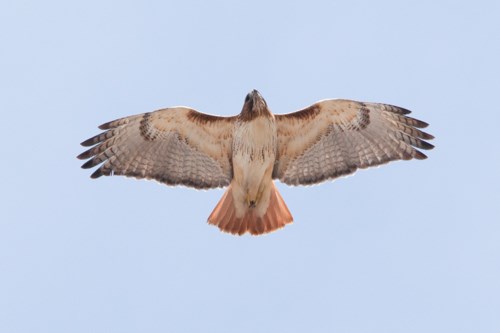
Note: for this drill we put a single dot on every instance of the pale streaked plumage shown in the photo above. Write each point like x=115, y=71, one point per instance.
x=180, y=146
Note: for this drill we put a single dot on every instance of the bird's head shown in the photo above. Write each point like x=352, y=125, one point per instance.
x=254, y=106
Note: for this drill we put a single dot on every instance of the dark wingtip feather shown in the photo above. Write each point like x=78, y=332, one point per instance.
x=98, y=173
x=421, y=124
x=416, y=122
x=395, y=109
x=90, y=164
x=404, y=111
x=426, y=145
x=426, y=136
x=107, y=125
x=419, y=155
x=86, y=154
x=114, y=123
x=89, y=142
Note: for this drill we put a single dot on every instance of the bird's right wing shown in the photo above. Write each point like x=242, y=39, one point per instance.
x=333, y=138
x=175, y=146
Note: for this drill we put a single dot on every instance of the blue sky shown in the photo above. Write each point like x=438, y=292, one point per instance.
x=407, y=247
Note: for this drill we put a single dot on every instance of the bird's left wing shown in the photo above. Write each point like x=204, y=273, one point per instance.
x=333, y=138
x=175, y=146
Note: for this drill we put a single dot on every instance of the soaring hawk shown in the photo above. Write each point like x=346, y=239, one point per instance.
x=181, y=146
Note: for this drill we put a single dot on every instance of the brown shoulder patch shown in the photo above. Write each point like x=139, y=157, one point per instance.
x=305, y=114
x=203, y=118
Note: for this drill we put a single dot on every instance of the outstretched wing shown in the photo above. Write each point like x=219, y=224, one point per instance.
x=333, y=138
x=175, y=146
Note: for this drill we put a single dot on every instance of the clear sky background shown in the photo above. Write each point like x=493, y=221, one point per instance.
x=407, y=247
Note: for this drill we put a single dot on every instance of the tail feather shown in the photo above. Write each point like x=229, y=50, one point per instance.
x=276, y=216
x=242, y=228
x=224, y=209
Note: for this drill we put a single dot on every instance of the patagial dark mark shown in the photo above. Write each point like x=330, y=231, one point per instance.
x=202, y=118
x=148, y=132
x=305, y=114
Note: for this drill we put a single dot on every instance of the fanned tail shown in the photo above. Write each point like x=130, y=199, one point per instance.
x=275, y=217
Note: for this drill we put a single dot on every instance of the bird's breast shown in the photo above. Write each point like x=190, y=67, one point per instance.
x=254, y=148
x=255, y=140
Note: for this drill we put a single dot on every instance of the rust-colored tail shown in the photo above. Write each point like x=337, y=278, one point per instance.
x=276, y=216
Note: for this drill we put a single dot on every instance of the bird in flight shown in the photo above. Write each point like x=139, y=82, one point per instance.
x=247, y=152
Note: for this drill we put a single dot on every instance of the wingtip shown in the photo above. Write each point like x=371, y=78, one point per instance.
x=427, y=136
x=85, y=155
x=404, y=111
x=419, y=155
x=88, y=142
x=105, y=126
x=98, y=173
x=114, y=123
x=423, y=124
x=426, y=145
x=89, y=164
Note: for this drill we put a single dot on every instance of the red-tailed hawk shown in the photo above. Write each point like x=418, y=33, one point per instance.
x=329, y=139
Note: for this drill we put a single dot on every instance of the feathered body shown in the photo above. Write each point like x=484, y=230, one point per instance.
x=252, y=203
x=254, y=153
x=329, y=139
